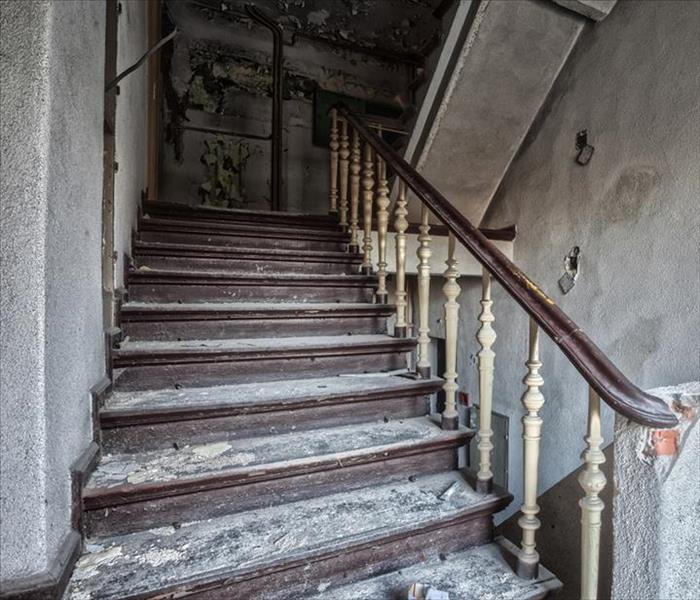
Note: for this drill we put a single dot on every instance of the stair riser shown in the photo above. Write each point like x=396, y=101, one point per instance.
x=343, y=565
x=173, y=292
x=240, y=241
x=251, y=328
x=198, y=374
x=273, y=230
x=195, y=213
x=153, y=436
x=136, y=516
x=247, y=265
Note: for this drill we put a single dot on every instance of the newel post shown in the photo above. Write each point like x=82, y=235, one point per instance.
x=367, y=197
x=424, y=252
x=450, y=417
x=486, y=337
x=533, y=400
x=400, y=226
x=592, y=480
x=334, y=145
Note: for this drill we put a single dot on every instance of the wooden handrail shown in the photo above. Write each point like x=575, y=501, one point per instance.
x=595, y=367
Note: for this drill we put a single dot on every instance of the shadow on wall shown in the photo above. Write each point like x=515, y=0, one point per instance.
x=559, y=539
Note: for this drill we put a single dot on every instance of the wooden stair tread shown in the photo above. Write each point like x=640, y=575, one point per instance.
x=473, y=574
x=259, y=396
x=251, y=347
x=257, y=543
x=193, y=249
x=248, y=309
x=233, y=213
x=244, y=228
x=243, y=278
x=119, y=478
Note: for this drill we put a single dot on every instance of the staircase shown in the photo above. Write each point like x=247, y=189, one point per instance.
x=264, y=437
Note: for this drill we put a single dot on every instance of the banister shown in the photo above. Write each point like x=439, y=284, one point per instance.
x=595, y=367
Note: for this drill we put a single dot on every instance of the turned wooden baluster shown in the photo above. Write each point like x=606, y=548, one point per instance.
x=343, y=155
x=334, y=145
x=400, y=226
x=450, y=417
x=367, y=197
x=592, y=480
x=383, y=202
x=355, y=169
x=486, y=337
x=424, y=252
x=533, y=400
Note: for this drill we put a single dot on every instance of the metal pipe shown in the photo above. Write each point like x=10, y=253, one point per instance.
x=276, y=136
x=250, y=136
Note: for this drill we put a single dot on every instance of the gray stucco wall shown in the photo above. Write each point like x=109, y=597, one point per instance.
x=632, y=81
x=51, y=348
x=130, y=129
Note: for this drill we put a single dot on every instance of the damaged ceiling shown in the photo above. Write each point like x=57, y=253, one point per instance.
x=402, y=29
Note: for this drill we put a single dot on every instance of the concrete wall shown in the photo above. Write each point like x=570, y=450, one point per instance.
x=51, y=348
x=130, y=129
x=657, y=505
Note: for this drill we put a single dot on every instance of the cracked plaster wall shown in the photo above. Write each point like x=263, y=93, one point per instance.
x=51, y=348
x=224, y=66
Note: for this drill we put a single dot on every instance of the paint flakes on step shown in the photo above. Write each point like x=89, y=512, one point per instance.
x=211, y=450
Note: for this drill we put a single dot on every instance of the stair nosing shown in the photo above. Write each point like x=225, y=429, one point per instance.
x=114, y=418
x=194, y=277
x=194, y=354
x=134, y=312
x=124, y=494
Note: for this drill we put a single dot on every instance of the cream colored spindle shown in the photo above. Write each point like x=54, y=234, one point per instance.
x=486, y=337
x=355, y=169
x=334, y=145
x=383, y=202
x=592, y=480
x=343, y=156
x=400, y=226
x=424, y=252
x=533, y=400
x=367, y=197
x=450, y=417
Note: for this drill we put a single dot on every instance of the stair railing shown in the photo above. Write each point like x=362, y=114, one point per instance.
x=605, y=381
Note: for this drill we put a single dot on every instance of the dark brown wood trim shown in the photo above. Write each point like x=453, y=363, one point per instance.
x=337, y=551
x=111, y=419
x=146, y=249
x=145, y=357
x=595, y=367
x=49, y=584
x=154, y=276
x=160, y=312
x=98, y=393
x=80, y=471
x=167, y=209
x=98, y=498
x=242, y=229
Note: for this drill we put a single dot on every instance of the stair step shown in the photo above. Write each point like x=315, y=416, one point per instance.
x=134, y=421
x=474, y=574
x=257, y=260
x=282, y=551
x=162, y=364
x=160, y=285
x=283, y=219
x=147, y=489
x=218, y=320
